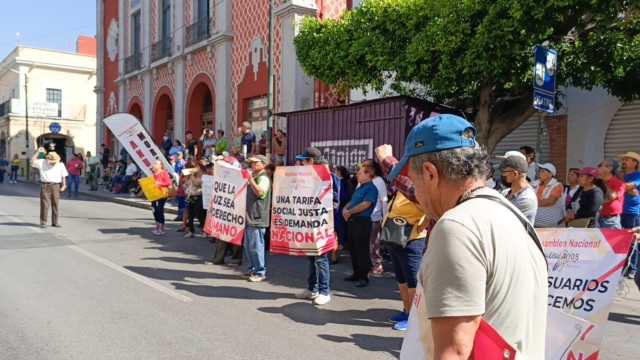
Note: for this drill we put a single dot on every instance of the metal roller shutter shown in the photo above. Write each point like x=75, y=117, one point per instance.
x=525, y=135
x=623, y=133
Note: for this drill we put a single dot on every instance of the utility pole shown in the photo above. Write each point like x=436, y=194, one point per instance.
x=539, y=138
x=270, y=89
x=26, y=120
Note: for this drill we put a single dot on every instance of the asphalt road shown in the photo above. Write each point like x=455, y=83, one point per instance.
x=104, y=287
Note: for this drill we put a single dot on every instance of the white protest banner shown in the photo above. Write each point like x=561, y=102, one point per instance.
x=228, y=204
x=207, y=190
x=139, y=144
x=584, y=268
x=302, y=211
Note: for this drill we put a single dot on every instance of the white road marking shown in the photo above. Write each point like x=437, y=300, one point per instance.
x=138, y=277
x=108, y=263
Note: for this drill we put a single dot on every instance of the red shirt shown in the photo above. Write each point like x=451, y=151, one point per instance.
x=615, y=207
x=74, y=166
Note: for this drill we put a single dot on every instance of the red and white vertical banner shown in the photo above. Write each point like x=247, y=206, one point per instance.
x=227, y=210
x=302, y=211
x=139, y=144
x=585, y=266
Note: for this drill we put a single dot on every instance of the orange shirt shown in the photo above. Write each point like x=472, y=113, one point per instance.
x=556, y=192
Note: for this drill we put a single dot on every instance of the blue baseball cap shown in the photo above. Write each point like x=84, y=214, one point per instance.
x=442, y=132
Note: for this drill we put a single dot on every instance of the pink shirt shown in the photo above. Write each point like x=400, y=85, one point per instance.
x=74, y=166
x=163, y=178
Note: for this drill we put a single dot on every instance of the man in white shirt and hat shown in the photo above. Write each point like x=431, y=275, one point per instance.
x=52, y=174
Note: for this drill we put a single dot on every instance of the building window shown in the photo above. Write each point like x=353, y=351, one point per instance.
x=203, y=9
x=258, y=115
x=13, y=93
x=55, y=96
x=136, y=34
x=166, y=18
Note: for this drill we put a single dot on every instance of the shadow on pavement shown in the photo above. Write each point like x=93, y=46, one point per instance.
x=231, y=292
x=625, y=318
x=390, y=345
x=300, y=313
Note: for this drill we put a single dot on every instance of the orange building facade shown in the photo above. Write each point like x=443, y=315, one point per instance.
x=190, y=65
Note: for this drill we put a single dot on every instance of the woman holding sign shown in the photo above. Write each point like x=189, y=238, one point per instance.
x=163, y=180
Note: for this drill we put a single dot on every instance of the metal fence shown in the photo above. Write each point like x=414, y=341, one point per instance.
x=198, y=31
x=161, y=49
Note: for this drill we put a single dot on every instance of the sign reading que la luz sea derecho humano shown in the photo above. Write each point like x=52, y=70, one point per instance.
x=139, y=144
x=584, y=269
x=302, y=211
x=228, y=203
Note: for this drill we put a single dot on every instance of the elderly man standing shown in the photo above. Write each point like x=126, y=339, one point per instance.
x=257, y=219
x=483, y=265
x=52, y=174
x=248, y=140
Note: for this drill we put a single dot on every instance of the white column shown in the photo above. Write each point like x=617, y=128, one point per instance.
x=179, y=8
x=100, y=82
x=179, y=115
x=146, y=33
x=122, y=97
x=297, y=91
x=223, y=18
x=147, y=102
x=121, y=41
x=223, y=84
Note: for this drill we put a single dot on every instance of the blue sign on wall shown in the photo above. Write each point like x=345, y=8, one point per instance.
x=544, y=78
x=55, y=128
x=543, y=101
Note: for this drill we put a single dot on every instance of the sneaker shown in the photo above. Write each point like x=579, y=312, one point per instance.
x=401, y=326
x=159, y=232
x=257, y=278
x=233, y=264
x=246, y=275
x=402, y=316
x=106, y=190
x=306, y=294
x=322, y=299
x=204, y=235
x=189, y=235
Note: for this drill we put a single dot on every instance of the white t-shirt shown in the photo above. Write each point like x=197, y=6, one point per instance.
x=380, y=211
x=50, y=173
x=481, y=261
x=131, y=169
x=532, y=171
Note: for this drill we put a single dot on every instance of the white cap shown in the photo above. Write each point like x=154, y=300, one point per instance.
x=511, y=153
x=549, y=167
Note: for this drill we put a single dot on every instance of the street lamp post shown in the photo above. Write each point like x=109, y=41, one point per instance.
x=26, y=119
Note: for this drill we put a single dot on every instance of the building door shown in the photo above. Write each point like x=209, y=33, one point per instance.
x=207, y=112
x=623, y=132
x=258, y=115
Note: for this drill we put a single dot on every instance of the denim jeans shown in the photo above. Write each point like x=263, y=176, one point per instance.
x=319, y=274
x=254, y=249
x=628, y=222
x=73, y=180
x=157, y=207
x=116, y=179
x=124, y=185
x=609, y=222
x=2, y=176
x=14, y=173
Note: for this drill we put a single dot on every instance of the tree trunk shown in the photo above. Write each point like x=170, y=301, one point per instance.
x=492, y=128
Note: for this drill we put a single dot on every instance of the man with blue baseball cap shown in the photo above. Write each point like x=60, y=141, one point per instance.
x=484, y=261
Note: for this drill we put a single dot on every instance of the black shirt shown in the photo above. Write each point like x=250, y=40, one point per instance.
x=105, y=154
x=191, y=146
x=587, y=203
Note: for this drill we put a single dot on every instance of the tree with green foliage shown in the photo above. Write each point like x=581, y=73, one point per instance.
x=476, y=54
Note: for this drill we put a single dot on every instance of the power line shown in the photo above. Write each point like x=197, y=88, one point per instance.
x=49, y=34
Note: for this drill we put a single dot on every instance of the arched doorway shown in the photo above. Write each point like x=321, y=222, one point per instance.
x=135, y=109
x=162, y=115
x=64, y=145
x=200, y=109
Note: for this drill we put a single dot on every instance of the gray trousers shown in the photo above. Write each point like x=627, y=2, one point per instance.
x=49, y=196
x=93, y=178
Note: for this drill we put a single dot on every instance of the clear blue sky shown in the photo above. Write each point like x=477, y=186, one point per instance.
x=45, y=23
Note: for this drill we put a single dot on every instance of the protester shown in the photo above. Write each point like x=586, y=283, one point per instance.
x=262, y=144
x=166, y=144
x=379, y=213
x=573, y=186
x=116, y=176
x=533, y=168
x=15, y=166
x=586, y=203
x=480, y=265
x=221, y=143
x=74, y=166
x=176, y=148
x=194, y=200
x=4, y=164
x=257, y=219
x=232, y=160
x=340, y=224
x=520, y=193
x=612, y=209
x=406, y=261
x=191, y=145
x=248, y=140
x=163, y=180
x=52, y=174
x=208, y=142
x=318, y=278
x=358, y=212
x=124, y=155
x=631, y=206
x=128, y=177
x=279, y=144
x=550, y=201
x=93, y=171
x=236, y=145
x=105, y=155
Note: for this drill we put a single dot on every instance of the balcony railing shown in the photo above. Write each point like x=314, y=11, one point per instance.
x=133, y=63
x=198, y=31
x=161, y=49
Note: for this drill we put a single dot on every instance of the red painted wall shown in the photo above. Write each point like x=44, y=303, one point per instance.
x=87, y=45
x=110, y=68
x=250, y=88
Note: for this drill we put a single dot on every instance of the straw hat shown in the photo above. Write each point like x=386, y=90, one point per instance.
x=630, y=154
x=52, y=157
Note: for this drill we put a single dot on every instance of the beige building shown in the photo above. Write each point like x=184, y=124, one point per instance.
x=60, y=97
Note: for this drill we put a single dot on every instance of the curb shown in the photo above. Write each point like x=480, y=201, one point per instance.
x=97, y=196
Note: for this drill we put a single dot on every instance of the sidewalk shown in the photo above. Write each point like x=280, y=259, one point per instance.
x=124, y=199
